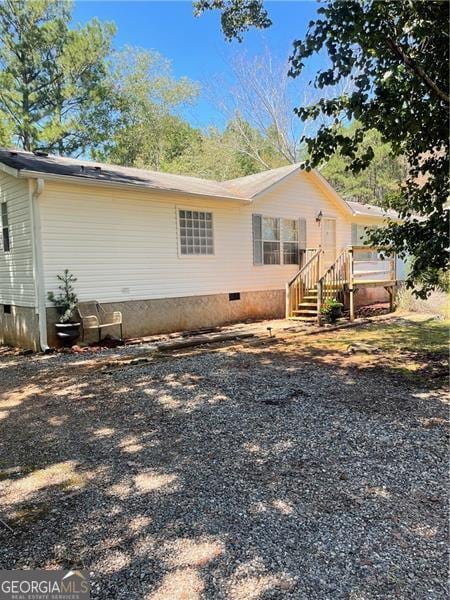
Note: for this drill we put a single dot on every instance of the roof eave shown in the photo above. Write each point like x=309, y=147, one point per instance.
x=377, y=217
x=9, y=170
x=276, y=183
x=328, y=188
x=27, y=174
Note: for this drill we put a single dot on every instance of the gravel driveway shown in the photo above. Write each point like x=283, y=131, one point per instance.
x=243, y=473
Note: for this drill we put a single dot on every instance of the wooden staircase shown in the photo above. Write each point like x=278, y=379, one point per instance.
x=309, y=289
x=302, y=291
x=307, y=308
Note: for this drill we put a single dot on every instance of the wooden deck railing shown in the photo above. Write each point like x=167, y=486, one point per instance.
x=303, y=281
x=369, y=268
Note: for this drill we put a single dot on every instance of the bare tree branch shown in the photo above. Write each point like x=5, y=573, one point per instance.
x=261, y=98
x=417, y=69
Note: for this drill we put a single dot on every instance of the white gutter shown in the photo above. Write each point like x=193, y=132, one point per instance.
x=38, y=263
x=24, y=173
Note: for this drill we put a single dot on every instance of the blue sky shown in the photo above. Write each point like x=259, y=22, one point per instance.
x=196, y=46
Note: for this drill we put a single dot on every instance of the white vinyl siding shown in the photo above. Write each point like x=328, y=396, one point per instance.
x=124, y=245
x=16, y=264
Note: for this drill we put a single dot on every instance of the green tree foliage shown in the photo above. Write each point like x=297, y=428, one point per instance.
x=237, y=16
x=52, y=91
x=80, y=93
x=214, y=155
x=379, y=183
x=396, y=52
x=147, y=133
x=6, y=130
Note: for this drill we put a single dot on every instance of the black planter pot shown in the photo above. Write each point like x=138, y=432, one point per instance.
x=68, y=333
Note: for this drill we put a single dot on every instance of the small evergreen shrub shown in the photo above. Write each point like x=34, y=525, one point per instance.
x=331, y=310
x=66, y=301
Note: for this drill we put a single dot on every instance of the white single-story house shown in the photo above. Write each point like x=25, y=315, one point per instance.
x=170, y=252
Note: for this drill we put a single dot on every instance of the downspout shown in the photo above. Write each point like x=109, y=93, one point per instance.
x=38, y=263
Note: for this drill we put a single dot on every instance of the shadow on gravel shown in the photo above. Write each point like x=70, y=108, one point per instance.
x=242, y=474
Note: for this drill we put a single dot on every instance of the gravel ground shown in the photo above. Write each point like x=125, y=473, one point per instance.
x=250, y=472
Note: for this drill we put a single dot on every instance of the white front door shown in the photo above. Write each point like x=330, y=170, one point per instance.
x=328, y=242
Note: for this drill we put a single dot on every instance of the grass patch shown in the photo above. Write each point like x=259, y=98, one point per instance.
x=429, y=336
x=413, y=347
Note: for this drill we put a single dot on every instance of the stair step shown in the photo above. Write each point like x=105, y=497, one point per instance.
x=307, y=305
x=305, y=311
x=309, y=319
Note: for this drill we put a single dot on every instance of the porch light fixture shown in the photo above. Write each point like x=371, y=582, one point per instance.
x=319, y=216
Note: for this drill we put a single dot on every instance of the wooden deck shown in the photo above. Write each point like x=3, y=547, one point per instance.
x=355, y=267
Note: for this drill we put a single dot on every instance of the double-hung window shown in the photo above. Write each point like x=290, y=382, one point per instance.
x=196, y=232
x=290, y=242
x=276, y=241
x=271, y=240
x=5, y=227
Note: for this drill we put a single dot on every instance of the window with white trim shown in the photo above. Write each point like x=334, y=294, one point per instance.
x=5, y=227
x=275, y=241
x=196, y=232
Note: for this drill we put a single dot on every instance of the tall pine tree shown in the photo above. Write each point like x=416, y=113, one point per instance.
x=52, y=78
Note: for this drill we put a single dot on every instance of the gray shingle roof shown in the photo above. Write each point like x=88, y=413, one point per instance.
x=242, y=188
x=252, y=185
x=95, y=171
x=368, y=210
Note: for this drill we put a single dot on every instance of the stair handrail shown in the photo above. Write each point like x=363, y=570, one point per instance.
x=300, y=271
x=334, y=275
x=294, y=291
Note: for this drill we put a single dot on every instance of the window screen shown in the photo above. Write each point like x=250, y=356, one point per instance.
x=196, y=232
